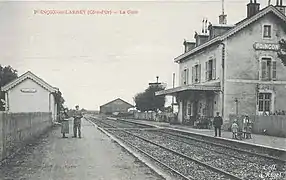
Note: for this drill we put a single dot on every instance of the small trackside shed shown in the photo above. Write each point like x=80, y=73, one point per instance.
x=117, y=105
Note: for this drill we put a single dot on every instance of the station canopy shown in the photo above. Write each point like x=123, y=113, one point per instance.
x=196, y=87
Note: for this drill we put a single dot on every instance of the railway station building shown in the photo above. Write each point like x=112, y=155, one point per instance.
x=234, y=69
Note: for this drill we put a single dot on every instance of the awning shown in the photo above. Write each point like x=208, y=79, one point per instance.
x=213, y=87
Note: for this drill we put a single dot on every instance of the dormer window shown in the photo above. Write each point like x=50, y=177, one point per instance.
x=267, y=31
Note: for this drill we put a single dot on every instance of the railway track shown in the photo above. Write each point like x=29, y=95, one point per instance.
x=219, y=145
x=243, y=165
x=108, y=123
x=183, y=151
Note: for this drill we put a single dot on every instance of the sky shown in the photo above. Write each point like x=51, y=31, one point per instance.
x=96, y=58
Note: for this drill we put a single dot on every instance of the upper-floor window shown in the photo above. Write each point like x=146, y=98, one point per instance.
x=210, y=69
x=267, y=31
x=196, y=73
x=268, y=69
x=185, y=76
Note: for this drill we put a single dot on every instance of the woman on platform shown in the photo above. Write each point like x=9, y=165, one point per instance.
x=65, y=123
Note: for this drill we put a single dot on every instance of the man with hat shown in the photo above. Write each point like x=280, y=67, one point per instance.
x=77, y=122
x=217, y=123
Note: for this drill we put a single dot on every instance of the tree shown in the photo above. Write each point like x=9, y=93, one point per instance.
x=147, y=101
x=282, y=51
x=7, y=74
x=59, y=100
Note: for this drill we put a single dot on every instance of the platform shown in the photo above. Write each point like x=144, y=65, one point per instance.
x=93, y=157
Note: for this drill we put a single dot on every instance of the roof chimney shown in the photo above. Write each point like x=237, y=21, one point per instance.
x=222, y=17
x=252, y=8
x=280, y=7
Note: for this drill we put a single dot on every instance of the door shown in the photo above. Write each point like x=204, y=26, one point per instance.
x=210, y=107
x=195, y=108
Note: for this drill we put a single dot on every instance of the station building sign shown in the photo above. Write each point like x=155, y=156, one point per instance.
x=266, y=46
x=28, y=90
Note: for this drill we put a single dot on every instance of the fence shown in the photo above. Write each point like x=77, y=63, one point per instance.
x=16, y=129
x=153, y=116
x=274, y=125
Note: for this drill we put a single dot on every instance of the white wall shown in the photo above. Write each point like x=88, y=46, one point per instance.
x=53, y=107
x=28, y=102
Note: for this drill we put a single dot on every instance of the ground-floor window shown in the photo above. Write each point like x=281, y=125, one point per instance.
x=264, y=102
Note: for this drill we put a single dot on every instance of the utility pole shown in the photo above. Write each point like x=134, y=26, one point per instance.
x=173, y=95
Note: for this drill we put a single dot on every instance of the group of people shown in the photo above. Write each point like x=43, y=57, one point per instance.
x=245, y=130
x=237, y=132
x=77, y=115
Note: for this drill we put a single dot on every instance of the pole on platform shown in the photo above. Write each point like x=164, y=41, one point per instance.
x=236, y=102
x=173, y=95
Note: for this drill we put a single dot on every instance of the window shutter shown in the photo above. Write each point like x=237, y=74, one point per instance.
x=206, y=74
x=199, y=73
x=274, y=74
x=187, y=78
x=184, y=76
x=193, y=74
x=214, y=69
x=263, y=70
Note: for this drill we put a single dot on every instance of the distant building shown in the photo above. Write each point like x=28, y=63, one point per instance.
x=117, y=105
x=29, y=93
x=234, y=69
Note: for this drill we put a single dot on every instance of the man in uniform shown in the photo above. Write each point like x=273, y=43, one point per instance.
x=77, y=122
x=217, y=124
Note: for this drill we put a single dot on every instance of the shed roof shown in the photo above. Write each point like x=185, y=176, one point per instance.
x=116, y=100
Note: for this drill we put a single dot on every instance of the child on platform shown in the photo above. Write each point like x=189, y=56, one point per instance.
x=234, y=129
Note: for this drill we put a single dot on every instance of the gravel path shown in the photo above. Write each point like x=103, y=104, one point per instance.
x=94, y=157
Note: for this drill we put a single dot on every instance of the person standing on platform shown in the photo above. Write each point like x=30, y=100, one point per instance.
x=248, y=129
x=217, y=124
x=77, y=122
x=65, y=123
x=244, y=125
x=234, y=129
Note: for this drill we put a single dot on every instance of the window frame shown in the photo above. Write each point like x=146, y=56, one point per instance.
x=272, y=69
x=196, y=74
x=264, y=100
x=210, y=69
x=185, y=76
x=263, y=31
